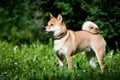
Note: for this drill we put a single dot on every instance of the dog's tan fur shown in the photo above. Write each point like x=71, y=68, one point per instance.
x=66, y=42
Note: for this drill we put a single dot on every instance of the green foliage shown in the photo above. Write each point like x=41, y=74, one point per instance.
x=66, y=7
x=38, y=61
x=105, y=19
x=104, y=13
x=23, y=14
x=16, y=21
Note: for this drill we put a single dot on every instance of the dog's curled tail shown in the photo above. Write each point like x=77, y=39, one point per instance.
x=90, y=27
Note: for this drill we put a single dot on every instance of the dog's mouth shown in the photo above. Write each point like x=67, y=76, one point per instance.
x=48, y=31
x=53, y=29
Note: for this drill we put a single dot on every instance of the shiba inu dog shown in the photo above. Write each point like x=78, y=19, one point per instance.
x=66, y=42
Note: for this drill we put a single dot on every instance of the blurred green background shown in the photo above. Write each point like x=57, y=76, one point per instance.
x=26, y=50
x=24, y=20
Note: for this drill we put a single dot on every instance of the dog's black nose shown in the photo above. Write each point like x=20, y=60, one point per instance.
x=44, y=28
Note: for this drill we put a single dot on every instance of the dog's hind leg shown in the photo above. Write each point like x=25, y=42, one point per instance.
x=90, y=57
x=100, y=55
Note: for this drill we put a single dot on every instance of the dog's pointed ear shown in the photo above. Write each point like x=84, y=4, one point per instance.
x=59, y=18
x=51, y=16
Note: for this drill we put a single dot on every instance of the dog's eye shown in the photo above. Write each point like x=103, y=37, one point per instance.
x=51, y=25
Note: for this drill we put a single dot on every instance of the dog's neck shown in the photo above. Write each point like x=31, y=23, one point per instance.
x=61, y=35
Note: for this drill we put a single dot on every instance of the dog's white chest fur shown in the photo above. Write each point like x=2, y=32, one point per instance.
x=59, y=46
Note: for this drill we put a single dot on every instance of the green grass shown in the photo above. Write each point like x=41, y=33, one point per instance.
x=38, y=61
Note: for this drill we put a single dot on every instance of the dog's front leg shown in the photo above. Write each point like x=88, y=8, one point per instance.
x=60, y=60
x=69, y=61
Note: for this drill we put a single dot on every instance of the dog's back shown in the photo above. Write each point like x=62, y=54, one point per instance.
x=83, y=39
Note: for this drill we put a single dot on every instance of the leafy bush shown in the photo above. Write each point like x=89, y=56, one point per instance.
x=31, y=15
x=76, y=12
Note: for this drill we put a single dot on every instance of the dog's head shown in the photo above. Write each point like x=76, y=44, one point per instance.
x=54, y=24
